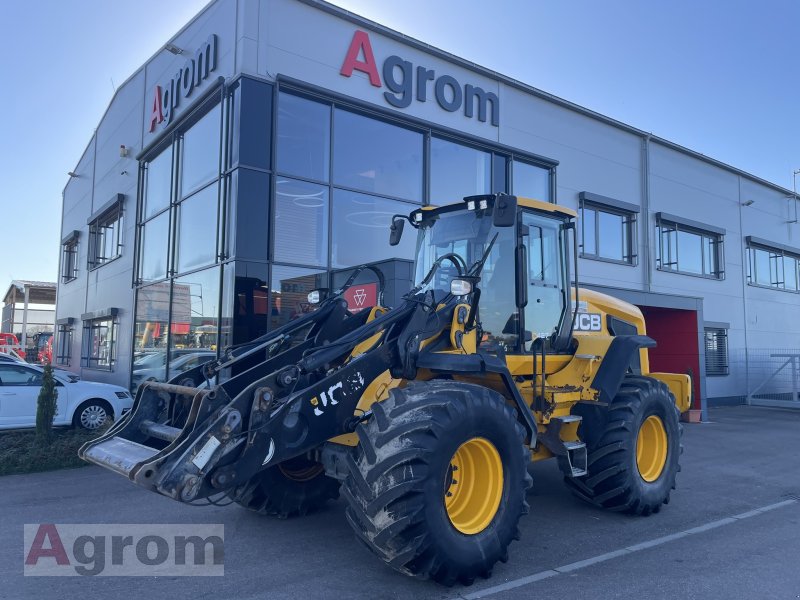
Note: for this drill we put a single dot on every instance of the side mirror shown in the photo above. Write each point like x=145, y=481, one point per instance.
x=396, y=231
x=505, y=210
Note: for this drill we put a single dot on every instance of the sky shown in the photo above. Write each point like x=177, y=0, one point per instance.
x=718, y=77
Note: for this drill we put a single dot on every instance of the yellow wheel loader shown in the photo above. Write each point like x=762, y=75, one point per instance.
x=427, y=415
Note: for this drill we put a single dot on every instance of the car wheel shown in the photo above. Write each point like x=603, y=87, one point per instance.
x=92, y=415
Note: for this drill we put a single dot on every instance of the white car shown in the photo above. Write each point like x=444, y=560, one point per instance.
x=84, y=404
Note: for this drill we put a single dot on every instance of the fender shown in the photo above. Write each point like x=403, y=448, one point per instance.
x=615, y=364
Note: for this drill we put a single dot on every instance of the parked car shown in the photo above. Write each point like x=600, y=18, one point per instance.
x=152, y=366
x=8, y=343
x=84, y=404
x=7, y=358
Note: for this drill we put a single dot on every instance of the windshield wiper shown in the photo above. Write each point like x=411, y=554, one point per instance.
x=475, y=270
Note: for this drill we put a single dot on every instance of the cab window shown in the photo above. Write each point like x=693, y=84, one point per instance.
x=545, y=278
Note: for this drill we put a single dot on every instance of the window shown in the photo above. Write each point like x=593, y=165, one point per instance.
x=304, y=137
x=63, y=344
x=360, y=229
x=200, y=152
x=154, y=248
x=289, y=293
x=775, y=267
x=716, y=351
x=301, y=207
x=530, y=181
x=608, y=229
x=545, y=277
x=684, y=247
x=105, y=237
x=373, y=156
x=19, y=375
x=458, y=171
x=194, y=320
x=197, y=230
x=158, y=176
x=69, y=260
x=99, y=343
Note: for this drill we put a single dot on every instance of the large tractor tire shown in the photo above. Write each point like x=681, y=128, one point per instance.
x=290, y=489
x=438, y=482
x=633, y=455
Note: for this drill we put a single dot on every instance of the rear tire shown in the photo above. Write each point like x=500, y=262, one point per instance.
x=291, y=489
x=633, y=459
x=402, y=472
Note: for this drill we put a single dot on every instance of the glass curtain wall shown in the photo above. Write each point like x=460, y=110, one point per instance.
x=178, y=285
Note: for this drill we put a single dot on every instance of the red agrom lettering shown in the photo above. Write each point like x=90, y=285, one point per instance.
x=47, y=531
x=156, y=116
x=358, y=46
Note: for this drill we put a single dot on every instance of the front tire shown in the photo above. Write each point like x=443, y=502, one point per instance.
x=92, y=415
x=633, y=457
x=438, y=482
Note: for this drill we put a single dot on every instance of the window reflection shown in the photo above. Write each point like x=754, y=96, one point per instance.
x=458, y=171
x=361, y=229
x=195, y=320
x=197, y=229
x=374, y=156
x=303, y=137
x=154, y=243
x=157, y=183
x=200, y=150
x=530, y=181
x=150, y=333
x=301, y=222
x=289, y=293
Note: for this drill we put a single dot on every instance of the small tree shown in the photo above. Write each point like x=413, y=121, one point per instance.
x=46, y=406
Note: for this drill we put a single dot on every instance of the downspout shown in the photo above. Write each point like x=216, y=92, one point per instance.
x=744, y=299
x=646, y=270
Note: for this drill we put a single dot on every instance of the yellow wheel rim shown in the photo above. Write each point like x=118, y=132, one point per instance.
x=473, y=486
x=651, y=448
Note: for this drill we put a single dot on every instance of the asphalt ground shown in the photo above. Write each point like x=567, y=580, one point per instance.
x=732, y=530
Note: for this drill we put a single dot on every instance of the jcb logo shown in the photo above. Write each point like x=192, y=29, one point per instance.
x=588, y=322
x=326, y=398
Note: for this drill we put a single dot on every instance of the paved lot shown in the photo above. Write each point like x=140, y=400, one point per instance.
x=745, y=459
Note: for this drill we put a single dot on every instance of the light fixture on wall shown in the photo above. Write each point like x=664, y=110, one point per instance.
x=173, y=49
x=123, y=151
x=748, y=203
x=71, y=174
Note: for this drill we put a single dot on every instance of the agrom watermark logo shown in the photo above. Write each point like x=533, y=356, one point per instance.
x=124, y=550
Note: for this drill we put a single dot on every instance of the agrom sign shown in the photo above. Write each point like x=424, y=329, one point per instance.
x=167, y=98
x=405, y=83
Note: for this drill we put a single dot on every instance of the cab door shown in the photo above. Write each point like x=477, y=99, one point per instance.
x=545, y=277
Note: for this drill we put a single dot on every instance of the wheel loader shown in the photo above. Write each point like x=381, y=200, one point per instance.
x=427, y=415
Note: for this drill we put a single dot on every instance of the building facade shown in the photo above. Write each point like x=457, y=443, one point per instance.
x=244, y=165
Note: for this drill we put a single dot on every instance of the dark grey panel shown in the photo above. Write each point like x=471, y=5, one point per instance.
x=110, y=205
x=662, y=216
x=606, y=201
x=757, y=241
x=717, y=324
x=99, y=314
x=72, y=235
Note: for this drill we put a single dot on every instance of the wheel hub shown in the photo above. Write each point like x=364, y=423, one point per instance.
x=473, y=486
x=651, y=448
x=93, y=417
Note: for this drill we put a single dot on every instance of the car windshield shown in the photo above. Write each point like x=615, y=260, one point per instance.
x=467, y=234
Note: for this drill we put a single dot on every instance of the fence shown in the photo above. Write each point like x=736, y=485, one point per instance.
x=774, y=377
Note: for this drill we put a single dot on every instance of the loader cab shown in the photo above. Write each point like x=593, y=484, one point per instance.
x=524, y=285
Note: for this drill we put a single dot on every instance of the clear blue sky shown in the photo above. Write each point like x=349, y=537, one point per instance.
x=718, y=77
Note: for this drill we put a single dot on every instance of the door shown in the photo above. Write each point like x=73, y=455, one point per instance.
x=19, y=390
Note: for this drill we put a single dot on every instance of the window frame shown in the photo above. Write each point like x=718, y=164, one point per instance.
x=716, y=367
x=63, y=344
x=775, y=252
x=97, y=239
x=89, y=326
x=69, y=260
x=630, y=256
x=667, y=224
